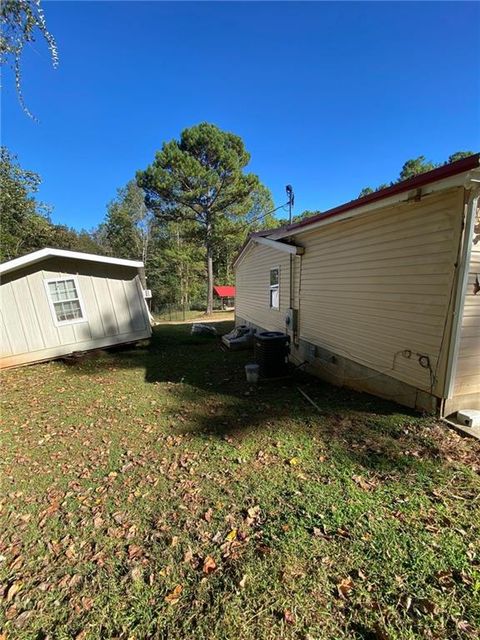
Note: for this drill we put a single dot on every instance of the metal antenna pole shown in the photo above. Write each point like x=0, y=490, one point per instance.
x=290, y=195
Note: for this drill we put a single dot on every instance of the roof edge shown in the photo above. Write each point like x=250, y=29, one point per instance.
x=435, y=175
x=421, y=180
x=47, y=252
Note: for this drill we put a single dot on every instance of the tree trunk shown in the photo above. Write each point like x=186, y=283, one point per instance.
x=209, y=269
x=209, y=282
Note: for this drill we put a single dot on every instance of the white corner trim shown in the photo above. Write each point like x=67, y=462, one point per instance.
x=461, y=291
x=42, y=254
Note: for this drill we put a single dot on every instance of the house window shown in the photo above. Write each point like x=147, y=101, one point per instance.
x=65, y=302
x=275, y=288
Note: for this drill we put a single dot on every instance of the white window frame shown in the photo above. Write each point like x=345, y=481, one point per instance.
x=273, y=286
x=62, y=323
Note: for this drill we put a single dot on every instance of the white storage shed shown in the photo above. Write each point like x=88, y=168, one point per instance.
x=55, y=302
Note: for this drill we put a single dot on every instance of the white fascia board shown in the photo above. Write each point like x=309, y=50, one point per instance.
x=459, y=180
x=280, y=246
x=43, y=254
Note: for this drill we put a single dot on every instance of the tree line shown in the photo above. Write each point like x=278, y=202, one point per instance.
x=414, y=167
x=186, y=215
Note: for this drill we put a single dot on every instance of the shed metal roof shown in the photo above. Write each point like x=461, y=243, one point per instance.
x=225, y=291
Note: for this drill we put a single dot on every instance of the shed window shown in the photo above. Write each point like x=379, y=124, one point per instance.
x=275, y=288
x=65, y=300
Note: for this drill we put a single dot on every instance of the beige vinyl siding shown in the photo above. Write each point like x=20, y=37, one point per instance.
x=252, y=302
x=380, y=284
x=112, y=299
x=467, y=376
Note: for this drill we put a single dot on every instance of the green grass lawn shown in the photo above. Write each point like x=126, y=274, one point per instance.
x=151, y=493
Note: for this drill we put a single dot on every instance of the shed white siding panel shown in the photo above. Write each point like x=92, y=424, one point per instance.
x=376, y=289
x=13, y=331
x=50, y=333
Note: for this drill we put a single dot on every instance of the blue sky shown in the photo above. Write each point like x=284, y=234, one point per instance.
x=329, y=97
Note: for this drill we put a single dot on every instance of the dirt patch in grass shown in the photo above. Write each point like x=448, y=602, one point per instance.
x=151, y=493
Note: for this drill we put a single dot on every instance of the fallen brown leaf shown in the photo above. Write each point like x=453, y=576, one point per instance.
x=75, y=580
x=174, y=596
x=209, y=565
x=134, y=551
x=13, y=590
x=344, y=587
x=363, y=483
x=425, y=606
x=87, y=603
x=288, y=616
x=22, y=619
x=207, y=516
x=16, y=564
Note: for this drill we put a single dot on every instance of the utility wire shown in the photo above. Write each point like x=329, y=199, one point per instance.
x=264, y=215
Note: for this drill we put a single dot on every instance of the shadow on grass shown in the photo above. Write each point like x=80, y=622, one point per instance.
x=215, y=399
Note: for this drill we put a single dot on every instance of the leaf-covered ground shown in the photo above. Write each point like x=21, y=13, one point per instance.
x=150, y=493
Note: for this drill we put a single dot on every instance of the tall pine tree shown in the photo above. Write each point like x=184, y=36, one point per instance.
x=201, y=178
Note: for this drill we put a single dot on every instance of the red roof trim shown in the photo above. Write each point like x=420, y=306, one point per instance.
x=446, y=171
x=225, y=291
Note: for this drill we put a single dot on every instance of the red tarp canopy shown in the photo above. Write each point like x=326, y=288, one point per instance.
x=224, y=292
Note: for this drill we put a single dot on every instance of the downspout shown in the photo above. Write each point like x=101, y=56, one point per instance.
x=294, y=318
x=291, y=281
x=294, y=328
x=461, y=288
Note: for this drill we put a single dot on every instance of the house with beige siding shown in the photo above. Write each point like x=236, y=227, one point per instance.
x=55, y=302
x=380, y=294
